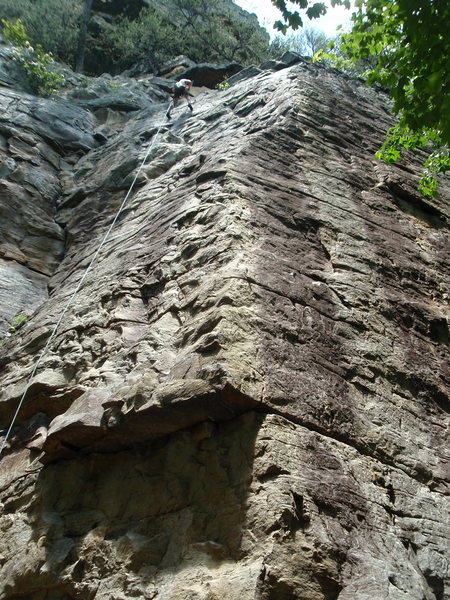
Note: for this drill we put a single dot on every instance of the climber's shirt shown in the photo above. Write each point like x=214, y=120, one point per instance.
x=181, y=88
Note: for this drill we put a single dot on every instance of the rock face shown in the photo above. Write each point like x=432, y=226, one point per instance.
x=248, y=397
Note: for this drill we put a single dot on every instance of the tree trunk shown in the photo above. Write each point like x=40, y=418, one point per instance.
x=81, y=50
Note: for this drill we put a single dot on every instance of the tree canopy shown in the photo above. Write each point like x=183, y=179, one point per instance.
x=205, y=30
x=313, y=10
x=306, y=41
x=410, y=41
x=53, y=24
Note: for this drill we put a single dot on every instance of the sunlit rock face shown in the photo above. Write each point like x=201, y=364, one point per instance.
x=248, y=396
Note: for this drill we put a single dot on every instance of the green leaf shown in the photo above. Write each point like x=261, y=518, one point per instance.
x=295, y=20
x=317, y=10
x=428, y=185
x=280, y=26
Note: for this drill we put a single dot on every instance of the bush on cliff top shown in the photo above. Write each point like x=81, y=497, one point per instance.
x=34, y=60
x=205, y=30
x=53, y=24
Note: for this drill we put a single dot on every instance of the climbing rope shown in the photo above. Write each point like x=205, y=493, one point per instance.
x=71, y=299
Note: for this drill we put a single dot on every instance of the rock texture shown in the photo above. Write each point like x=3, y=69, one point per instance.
x=248, y=398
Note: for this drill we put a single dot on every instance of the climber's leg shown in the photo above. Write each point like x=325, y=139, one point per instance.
x=172, y=105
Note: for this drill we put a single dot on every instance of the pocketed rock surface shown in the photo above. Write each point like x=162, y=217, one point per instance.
x=248, y=396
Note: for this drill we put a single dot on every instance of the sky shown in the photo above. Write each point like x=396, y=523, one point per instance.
x=267, y=14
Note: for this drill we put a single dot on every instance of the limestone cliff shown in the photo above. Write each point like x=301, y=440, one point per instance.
x=248, y=397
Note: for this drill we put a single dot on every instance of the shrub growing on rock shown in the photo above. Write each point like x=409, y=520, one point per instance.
x=53, y=24
x=34, y=60
x=18, y=322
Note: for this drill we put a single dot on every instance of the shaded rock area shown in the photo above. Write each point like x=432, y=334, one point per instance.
x=248, y=398
x=10, y=75
x=35, y=135
x=209, y=75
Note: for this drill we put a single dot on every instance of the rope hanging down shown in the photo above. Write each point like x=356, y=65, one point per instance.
x=71, y=299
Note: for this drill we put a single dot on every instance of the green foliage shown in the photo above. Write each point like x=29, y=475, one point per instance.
x=400, y=138
x=410, y=39
x=222, y=87
x=336, y=56
x=307, y=42
x=313, y=10
x=406, y=46
x=437, y=162
x=212, y=32
x=15, y=33
x=53, y=24
x=36, y=63
x=411, y=42
x=151, y=35
x=204, y=30
x=18, y=322
x=34, y=60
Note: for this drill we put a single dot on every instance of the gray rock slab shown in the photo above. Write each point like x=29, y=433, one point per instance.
x=246, y=73
x=10, y=72
x=56, y=121
x=21, y=291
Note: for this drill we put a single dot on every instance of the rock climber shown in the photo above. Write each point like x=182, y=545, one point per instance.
x=180, y=90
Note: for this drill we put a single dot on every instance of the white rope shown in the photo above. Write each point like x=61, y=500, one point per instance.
x=38, y=362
